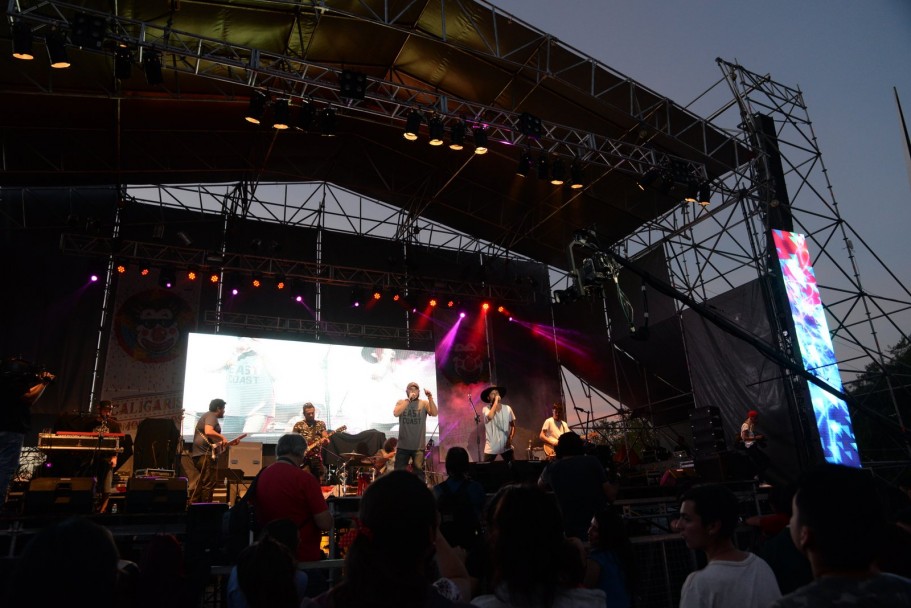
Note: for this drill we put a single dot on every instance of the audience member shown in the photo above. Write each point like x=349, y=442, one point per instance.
x=771, y=524
x=265, y=577
x=534, y=565
x=71, y=563
x=284, y=532
x=611, y=565
x=284, y=491
x=162, y=580
x=840, y=534
x=398, y=558
x=579, y=482
x=708, y=518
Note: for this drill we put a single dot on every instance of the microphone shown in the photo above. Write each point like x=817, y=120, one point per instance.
x=580, y=409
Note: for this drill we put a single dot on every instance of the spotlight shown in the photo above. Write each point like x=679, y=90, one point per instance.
x=213, y=277
x=192, y=274
x=257, y=281
x=257, y=107
x=530, y=125
x=436, y=131
x=356, y=296
x=705, y=193
x=167, y=278
x=461, y=315
x=457, y=135
x=22, y=41
x=123, y=62
x=151, y=65
x=305, y=117
x=281, y=282
x=281, y=115
x=377, y=294
x=94, y=277
x=648, y=178
x=352, y=85
x=450, y=303
x=412, y=125
x=144, y=270
x=543, y=166
x=56, y=49
x=480, y=140
x=88, y=31
x=327, y=122
x=557, y=172
x=576, y=176
x=524, y=165
x=120, y=267
x=485, y=306
x=433, y=302
x=690, y=191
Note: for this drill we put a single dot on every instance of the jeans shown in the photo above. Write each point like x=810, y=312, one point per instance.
x=208, y=479
x=10, y=447
x=507, y=456
x=417, y=461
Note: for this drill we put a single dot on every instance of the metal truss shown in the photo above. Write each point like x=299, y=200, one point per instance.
x=386, y=101
x=314, y=329
x=712, y=250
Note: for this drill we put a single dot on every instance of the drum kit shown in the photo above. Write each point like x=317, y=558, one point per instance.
x=355, y=474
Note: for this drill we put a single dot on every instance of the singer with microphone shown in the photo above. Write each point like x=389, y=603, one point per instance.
x=412, y=414
x=499, y=425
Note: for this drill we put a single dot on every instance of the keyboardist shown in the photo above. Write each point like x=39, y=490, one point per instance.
x=105, y=422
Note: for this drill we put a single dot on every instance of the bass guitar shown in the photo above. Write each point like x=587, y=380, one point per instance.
x=217, y=448
x=313, y=446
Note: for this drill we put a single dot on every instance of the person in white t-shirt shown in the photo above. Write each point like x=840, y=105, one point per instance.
x=552, y=429
x=708, y=517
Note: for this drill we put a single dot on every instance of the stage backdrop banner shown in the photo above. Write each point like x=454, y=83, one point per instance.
x=146, y=354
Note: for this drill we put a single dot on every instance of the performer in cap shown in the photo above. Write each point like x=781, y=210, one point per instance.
x=412, y=414
x=499, y=425
x=754, y=442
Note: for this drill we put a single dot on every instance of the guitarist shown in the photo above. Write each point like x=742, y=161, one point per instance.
x=552, y=429
x=316, y=435
x=207, y=438
x=754, y=442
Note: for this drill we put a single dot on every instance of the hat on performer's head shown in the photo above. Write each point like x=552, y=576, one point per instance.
x=414, y=384
x=752, y=414
x=485, y=394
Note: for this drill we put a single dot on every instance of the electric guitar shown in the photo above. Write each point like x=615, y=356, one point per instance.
x=550, y=451
x=312, y=446
x=217, y=448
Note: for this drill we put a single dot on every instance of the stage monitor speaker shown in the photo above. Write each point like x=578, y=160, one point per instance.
x=246, y=456
x=150, y=495
x=492, y=475
x=59, y=495
x=205, y=521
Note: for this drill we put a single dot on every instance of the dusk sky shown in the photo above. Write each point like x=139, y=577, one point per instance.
x=844, y=56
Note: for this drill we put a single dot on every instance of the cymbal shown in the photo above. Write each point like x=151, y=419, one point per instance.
x=353, y=455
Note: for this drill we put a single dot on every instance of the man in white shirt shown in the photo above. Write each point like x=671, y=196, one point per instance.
x=499, y=425
x=552, y=429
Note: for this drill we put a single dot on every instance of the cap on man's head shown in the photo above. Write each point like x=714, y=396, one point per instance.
x=414, y=384
x=485, y=394
x=752, y=414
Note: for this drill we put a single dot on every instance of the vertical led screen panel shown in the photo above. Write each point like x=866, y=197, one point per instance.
x=266, y=383
x=832, y=418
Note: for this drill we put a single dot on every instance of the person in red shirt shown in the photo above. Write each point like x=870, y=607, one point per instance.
x=285, y=491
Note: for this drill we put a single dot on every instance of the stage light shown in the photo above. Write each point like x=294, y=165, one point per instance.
x=436, y=131
x=412, y=125
x=88, y=31
x=576, y=176
x=450, y=303
x=281, y=282
x=123, y=62
x=524, y=165
x=543, y=166
x=557, y=172
x=357, y=295
x=485, y=306
x=151, y=65
x=327, y=122
x=377, y=294
x=352, y=85
x=257, y=107
x=120, y=267
x=144, y=270
x=257, y=281
x=281, y=115
x=530, y=125
x=299, y=299
x=305, y=117
x=22, y=41
x=705, y=193
x=457, y=135
x=648, y=178
x=167, y=278
x=461, y=315
x=192, y=274
x=56, y=49
x=480, y=140
x=213, y=278
x=94, y=277
x=690, y=192
x=433, y=302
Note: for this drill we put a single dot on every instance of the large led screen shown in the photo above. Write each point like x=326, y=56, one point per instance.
x=832, y=418
x=266, y=382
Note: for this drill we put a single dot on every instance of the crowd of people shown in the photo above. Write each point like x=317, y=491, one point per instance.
x=558, y=543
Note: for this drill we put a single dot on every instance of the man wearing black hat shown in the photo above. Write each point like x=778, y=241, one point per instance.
x=499, y=425
x=412, y=414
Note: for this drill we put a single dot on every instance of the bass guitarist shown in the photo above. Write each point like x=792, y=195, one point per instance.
x=207, y=442
x=316, y=435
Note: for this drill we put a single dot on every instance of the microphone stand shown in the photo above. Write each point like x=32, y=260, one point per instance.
x=477, y=421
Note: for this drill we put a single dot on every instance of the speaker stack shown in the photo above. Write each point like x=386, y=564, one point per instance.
x=708, y=442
